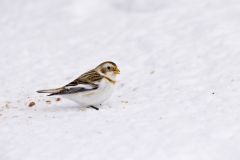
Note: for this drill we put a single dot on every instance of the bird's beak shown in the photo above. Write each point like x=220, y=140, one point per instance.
x=116, y=71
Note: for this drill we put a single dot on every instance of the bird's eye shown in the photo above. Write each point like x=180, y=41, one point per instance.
x=108, y=68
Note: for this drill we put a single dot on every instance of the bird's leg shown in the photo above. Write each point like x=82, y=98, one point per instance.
x=93, y=107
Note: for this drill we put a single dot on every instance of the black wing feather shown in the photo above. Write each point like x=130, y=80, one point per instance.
x=73, y=90
x=86, y=79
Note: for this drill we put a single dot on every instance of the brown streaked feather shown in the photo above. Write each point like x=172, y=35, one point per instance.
x=87, y=78
x=107, y=62
x=103, y=70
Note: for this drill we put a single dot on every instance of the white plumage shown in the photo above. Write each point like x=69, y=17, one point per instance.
x=94, y=97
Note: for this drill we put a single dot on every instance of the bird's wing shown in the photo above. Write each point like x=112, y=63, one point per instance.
x=91, y=77
x=86, y=82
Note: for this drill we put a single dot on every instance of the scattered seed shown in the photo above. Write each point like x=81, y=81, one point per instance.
x=134, y=89
x=124, y=101
x=58, y=99
x=31, y=104
x=48, y=102
x=7, y=105
x=152, y=72
x=122, y=85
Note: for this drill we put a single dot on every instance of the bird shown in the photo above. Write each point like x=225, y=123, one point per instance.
x=91, y=88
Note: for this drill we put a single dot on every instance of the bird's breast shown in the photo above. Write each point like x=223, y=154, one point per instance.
x=94, y=97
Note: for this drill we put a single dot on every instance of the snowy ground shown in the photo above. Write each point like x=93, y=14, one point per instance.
x=178, y=92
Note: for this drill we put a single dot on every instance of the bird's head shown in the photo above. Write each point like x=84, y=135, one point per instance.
x=108, y=69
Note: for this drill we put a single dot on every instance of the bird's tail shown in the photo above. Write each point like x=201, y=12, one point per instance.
x=51, y=91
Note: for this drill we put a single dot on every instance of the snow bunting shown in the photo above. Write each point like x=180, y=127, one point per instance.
x=91, y=88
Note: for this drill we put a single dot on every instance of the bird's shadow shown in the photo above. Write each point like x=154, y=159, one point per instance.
x=65, y=108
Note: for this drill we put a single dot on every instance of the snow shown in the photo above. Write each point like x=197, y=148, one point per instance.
x=177, y=97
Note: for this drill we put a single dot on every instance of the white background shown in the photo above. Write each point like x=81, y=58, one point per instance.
x=177, y=97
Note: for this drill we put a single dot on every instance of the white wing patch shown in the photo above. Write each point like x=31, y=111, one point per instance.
x=84, y=86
